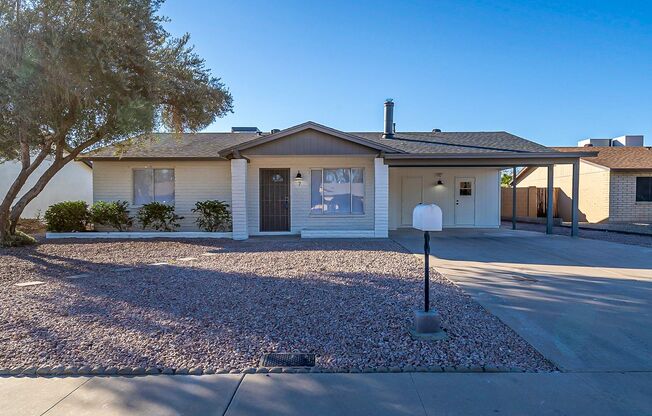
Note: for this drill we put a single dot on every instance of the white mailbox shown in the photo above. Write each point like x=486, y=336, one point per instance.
x=427, y=217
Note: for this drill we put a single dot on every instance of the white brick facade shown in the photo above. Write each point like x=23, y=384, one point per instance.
x=623, y=206
x=239, y=198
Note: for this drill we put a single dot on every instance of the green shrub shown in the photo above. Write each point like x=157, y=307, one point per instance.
x=67, y=216
x=158, y=216
x=114, y=214
x=18, y=240
x=213, y=215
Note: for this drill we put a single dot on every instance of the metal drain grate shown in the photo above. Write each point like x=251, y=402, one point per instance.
x=280, y=359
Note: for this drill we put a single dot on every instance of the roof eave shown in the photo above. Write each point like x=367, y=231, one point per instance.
x=491, y=155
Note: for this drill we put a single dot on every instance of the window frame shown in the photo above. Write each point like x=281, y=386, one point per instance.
x=335, y=214
x=649, y=180
x=153, y=186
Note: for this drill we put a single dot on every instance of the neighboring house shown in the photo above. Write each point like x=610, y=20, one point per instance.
x=316, y=181
x=74, y=182
x=615, y=185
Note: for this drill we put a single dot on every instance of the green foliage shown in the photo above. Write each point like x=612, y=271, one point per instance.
x=18, y=239
x=114, y=214
x=506, y=180
x=213, y=215
x=67, y=216
x=158, y=216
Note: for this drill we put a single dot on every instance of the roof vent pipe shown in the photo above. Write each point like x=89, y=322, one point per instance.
x=388, y=132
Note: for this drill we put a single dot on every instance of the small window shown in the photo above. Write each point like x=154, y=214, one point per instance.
x=337, y=191
x=153, y=185
x=466, y=188
x=644, y=189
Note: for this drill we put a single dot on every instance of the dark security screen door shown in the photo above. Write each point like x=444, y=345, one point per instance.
x=275, y=200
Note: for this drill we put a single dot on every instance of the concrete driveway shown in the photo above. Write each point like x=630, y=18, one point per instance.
x=586, y=305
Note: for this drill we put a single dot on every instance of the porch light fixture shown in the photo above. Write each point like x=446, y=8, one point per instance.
x=298, y=179
x=439, y=181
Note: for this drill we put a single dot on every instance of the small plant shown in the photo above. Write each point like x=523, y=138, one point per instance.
x=213, y=215
x=18, y=240
x=158, y=216
x=67, y=216
x=114, y=214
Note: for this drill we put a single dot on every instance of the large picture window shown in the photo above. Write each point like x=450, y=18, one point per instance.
x=644, y=189
x=153, y=185
x=337, y=191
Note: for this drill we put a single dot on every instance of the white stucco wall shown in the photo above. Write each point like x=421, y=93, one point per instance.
x=487, y=193
x=74, y=182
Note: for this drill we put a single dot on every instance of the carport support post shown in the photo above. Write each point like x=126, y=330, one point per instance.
x=549, y=208
x=514, y=198
x=575, y=200
x=426, y=285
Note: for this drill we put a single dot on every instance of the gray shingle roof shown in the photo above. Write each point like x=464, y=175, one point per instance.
x=208, y=145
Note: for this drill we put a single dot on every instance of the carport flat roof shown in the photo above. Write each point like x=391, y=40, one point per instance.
x=484, y=159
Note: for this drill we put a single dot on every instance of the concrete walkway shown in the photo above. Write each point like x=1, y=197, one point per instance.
x=332, y=394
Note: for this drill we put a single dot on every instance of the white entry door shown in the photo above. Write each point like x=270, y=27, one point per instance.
x=411, y=196
x=464, y=201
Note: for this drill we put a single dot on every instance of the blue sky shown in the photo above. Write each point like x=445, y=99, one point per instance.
x=550, y=71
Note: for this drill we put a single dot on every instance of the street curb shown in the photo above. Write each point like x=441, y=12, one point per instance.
x=69, y=371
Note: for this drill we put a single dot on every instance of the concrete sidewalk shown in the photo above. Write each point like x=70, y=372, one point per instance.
x=333, y=394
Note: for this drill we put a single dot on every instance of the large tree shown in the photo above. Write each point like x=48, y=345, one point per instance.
x=79, y=74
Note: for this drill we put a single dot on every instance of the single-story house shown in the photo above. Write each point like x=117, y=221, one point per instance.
x=74, y=182
x=317, y=181
x=615, y=185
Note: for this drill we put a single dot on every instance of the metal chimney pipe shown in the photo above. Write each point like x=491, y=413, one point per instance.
x=388, y=132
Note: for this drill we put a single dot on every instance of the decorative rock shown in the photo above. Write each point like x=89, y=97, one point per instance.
x=382, y=369
x=409, y=369
x=196, y=371
x=222, y=371
x=5, y=371
x=209, y=370
x=83, y=370
x=249, y=370
x=276, y=370
x=435, y=369
x=449, y=369
x=316, y=370
x=289, y=370
x=43, y=370
x=58, y=370
x=29, y=371
x=516, y=370
x=491, y=369
x=139, y=371
x=181, y=371
x=394, y=369
x=151, y=370
x=302, y=370
x=234, y=371
x=354, y=370
x=368, y=370
x=124, y=371
x=16, y=370
x=422, y=369
x=167, y=370
x=262, y=370
x=70, y=370
x=109, y=371
x=97, y=370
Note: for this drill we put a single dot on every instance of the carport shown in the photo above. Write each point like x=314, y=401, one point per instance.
x=503, y=160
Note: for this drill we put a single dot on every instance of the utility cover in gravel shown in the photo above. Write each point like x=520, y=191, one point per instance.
x=350, y=303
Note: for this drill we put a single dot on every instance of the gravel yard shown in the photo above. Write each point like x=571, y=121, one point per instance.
x=221, y=304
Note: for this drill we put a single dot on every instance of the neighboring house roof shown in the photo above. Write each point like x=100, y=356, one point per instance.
x=617, y=157
x=220, y=145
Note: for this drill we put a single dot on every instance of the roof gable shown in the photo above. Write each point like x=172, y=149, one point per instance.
x=309, y=138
